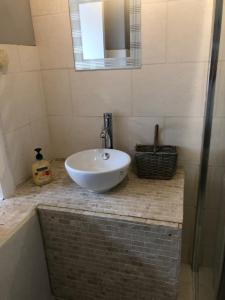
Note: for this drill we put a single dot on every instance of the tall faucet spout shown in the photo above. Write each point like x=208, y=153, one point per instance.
x=107, y=132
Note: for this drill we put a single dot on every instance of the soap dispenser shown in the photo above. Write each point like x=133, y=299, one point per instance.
x=41, y=169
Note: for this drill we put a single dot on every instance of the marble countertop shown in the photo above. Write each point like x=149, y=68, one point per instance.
x=146, y=201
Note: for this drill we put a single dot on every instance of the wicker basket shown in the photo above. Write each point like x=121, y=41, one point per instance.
x=154, y=161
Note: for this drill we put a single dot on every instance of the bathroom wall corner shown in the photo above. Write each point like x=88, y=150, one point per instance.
x=7, y=185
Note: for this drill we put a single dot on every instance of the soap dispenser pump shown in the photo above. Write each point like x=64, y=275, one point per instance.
x=41, y=169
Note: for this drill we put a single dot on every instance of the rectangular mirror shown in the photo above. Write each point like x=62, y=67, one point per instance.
x=106, y=34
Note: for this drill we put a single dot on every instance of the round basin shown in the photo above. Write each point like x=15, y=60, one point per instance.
x=98, y=170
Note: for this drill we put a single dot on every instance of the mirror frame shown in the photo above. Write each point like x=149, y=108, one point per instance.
x=131, y=62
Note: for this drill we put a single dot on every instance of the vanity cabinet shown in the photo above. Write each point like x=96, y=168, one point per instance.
x=91, y=256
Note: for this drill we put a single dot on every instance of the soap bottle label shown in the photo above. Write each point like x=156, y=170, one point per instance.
x=42, y=175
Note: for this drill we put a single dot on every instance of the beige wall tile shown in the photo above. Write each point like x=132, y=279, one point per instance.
x=86, y=133
x=215, y=188
x=29, y=58
x=34, y=95
x=21, y=99
x=13, y=55
x=60, y=128
x=191, y=183
x=222, y=38
x=22, y=103
x=7, y=184
x=169, y=90
x=40, y=137
x=217, y=153
x=152, y=1
x=219, y=108
x=186, y=133
x=57, y=92
x=97, y=92
x=20, y=153
x=189, y=30
x=136, y=130
x=13, y=102
x=53, y=37
x=153, y=32
x=45, y=7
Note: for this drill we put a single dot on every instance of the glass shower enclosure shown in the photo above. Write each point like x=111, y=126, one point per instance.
x=208, y=262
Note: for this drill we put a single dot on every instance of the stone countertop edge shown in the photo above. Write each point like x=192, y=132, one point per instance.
x=158, y=202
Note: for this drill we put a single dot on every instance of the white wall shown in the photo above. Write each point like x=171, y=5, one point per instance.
x=22, y=110
x=24, y=274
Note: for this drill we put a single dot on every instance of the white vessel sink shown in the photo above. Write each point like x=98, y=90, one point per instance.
x=98, y=170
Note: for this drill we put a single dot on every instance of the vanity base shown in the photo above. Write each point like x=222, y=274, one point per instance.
x=94, y=256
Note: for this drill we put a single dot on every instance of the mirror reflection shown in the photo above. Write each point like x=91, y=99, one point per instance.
x=105, y=29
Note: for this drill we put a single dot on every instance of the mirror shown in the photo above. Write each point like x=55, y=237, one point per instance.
x=106, y=34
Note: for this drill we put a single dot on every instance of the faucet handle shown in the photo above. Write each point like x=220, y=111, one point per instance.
x=107, y=115
x=103, y=134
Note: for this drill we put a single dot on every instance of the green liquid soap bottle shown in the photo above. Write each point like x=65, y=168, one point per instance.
x=41, y=169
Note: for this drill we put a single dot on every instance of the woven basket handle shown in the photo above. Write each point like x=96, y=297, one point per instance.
x=156, y=138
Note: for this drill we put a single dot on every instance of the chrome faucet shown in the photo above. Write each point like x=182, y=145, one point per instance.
x=107, y=132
